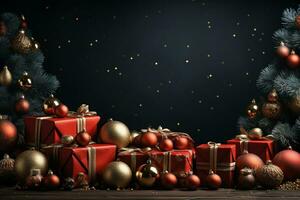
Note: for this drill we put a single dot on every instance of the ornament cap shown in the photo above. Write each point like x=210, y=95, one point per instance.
x=282, y=43
x=290, y=147
x=110, y=119
x=51, y=96
x=269, y=162
x=246, y=171
x=253, y=101
x=50, y=172
x=34, y=172
x=293, y=52
x=149, y=162
x=211, y=172
x=22, y=96
x=22, y=31
x=23, y=17
x=6, y=156
x=5, y=67
x=25, y=73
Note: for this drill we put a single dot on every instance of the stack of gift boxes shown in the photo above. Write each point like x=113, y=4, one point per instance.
x=47, y=133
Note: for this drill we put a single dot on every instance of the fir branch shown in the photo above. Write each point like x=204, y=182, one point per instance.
x=266, y=78
x=284, y=133
x=288, y=18
x=282, y=35
x=287, y=84
x=12, y=23
x=246, y=123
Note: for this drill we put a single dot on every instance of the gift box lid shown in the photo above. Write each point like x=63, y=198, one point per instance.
x=226, y=153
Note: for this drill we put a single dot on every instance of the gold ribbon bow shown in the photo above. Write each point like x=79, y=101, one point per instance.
x=213, y=153
x=82, y=111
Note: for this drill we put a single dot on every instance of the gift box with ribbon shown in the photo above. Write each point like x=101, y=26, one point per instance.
x=218, y=157
x=175, y=161
x=264, y=148
x=90, y=160
x=46, y=130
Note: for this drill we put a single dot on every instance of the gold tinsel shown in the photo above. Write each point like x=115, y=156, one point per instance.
x=290, y=185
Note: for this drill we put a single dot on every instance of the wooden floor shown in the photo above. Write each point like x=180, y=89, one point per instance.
x=11, y=193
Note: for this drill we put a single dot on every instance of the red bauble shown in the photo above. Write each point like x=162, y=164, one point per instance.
x=23, y=23
x=192, y=182
x=83, y=138
x=51, y=181
x=8, y=135
x=181, y=142
x=293, y=60
x=248, y=160
x=213, y=180
x=61, y=110
x=34, y=181
x=148, y=139
x=297, y=21
x=22, y=106
x=168, y=180
x=289, y=163
x=283, y=51
x=166, y=145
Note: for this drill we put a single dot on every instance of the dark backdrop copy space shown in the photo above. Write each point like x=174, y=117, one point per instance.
x=186, y=65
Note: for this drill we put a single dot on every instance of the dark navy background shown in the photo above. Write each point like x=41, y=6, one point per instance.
x=188, y=65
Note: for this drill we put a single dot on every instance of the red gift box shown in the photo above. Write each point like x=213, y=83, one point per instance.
x=265, y=149
x=175, y=161
x=91, y=160
x=47, y=130
x=218, y=157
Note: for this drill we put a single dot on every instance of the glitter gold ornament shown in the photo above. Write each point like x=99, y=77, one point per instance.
x=50, y=104
x=269, y=176
x=7, y=173
x=115, y=132
x=271, y=110
x=5, y=76
x=117, y=174
x=25, y=81
x=147, y=174
x=21, y=43
x=28, y=160
x=252, y=109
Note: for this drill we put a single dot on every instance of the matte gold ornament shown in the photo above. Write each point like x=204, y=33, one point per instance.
x=25, y=81
x=5, y=76
x=117, y=174
x=50, y=104
x=133, y=134
x=147, y=174
x=271, y=110
x=115, y=132
x=252, y=109
x=28, y=160
x=22, y=43
x=255, y=134
x=273, y=96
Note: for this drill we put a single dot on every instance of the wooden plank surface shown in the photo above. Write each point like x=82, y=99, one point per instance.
x=12, y=194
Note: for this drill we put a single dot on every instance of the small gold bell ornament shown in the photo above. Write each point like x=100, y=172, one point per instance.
x=5, y=76
x=147, y=174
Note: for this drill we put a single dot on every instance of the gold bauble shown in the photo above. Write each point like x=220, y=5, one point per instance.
x=133, y=134
x=115, y=132
x=28, y=160
x=294, y=104
x=117, y=174
x=252, y=109
x=147, y=174
x=255, y=134
x=67, y=140
x=22, y=43
x=273, y=96
x=50, y=104
x=271, y=110
x=25, y=81
x=5, y=76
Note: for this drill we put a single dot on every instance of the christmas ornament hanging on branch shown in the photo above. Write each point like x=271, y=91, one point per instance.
x=25, y=81
x=3, y=29
x=50, y=104
x=272, y=108
x=22, y=106
x=252, y=109
x=8, y=135
x=5, y=76
x=283, y=51
x=23, y=23
x=293, y=60
x=21, y=43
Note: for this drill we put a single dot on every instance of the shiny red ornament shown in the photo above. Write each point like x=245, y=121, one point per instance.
x=293, y=60
x=181, y=143
x=166, y=145
x=83, y=138
x=213, y=181
x=51, y=181
x=283, y=51
x=23, y=23
x=34, y=181
x=22, y=106
x=61, y=110
x=289, y=162
x=249, y=160
x=148, y=139
x=8, y=135
x=192, y=182
x=168, y=180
